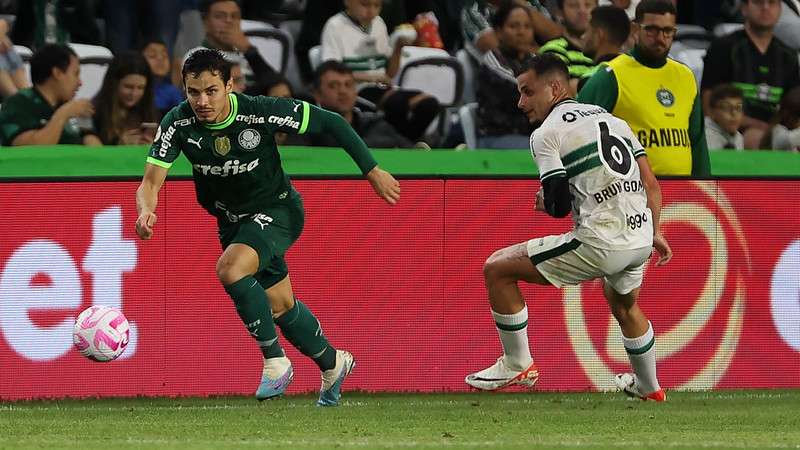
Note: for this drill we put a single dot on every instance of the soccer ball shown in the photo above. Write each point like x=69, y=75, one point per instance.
x=101, y=333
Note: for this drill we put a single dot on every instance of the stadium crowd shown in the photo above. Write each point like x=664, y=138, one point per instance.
x=377, y=62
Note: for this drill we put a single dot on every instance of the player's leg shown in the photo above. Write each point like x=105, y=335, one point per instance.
x=303, y=330
x=245, y=254
x=637, y=335
x=501, y=273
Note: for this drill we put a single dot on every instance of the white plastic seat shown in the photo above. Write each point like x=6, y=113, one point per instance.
x=467, y=116
x=274, y=46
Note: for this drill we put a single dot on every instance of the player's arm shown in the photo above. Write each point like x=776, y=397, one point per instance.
x=554, y=198
x=163, y=152
x=601, y=89
x=313, y=119
x=653, y=191
x=701, y=165
x=147, y=199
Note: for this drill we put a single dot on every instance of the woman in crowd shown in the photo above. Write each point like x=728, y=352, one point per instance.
x=125, y=111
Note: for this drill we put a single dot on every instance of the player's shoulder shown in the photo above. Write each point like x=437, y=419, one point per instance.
x=180, y=116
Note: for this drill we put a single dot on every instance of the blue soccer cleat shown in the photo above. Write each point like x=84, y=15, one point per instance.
x=275, y=378
x=331, y=391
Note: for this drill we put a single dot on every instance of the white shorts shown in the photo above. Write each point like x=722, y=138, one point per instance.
x=563, y=260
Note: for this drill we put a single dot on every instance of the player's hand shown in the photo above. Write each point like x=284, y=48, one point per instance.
x=539, y=201
x=662, y=247
x=144, y=225
x=384, y=185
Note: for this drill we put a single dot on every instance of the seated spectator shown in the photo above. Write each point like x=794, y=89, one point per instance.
x=55, y=22
x=222, y=20
x=166, y=95
x=608, y=31
x=124, y=105
x=500, y=124
x=575, y=16
x=724, y=118
x=756, y=62
x=479, y=37
x=784, y=134
x=12, y=70
x=335, y=89
x=358, y=37
x=48, y=113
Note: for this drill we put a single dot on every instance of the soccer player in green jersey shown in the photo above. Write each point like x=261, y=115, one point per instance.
x=229, y=139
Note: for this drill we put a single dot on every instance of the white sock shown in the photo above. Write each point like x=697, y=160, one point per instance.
x=642, y=355
x=513, y=331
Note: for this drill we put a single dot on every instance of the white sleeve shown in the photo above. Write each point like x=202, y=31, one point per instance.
x=331, y=46
x=544, y=148
x=381, y=35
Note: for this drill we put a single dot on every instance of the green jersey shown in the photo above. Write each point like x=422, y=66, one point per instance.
x=28, y=110
x=236, y=165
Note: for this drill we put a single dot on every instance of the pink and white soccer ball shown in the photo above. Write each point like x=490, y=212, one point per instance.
x=101, y=333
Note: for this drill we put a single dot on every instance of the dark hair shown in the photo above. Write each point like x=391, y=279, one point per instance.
x=614, y=21
x=152, y=40
x=277, y=80
x=108, y=117
x=722, y=91
x=330, y=65
x=47, y=58
x=548, y=64
x=504, y=9
x=206, y=60
x=205, y=6
x=654, y=7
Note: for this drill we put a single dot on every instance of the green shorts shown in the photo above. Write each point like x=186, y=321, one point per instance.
x=270, y=233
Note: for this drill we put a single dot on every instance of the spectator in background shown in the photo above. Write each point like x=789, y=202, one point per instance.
x=608, y=31
x=656, y=95
x=166, y=95
x=222, y=20
x=784, y=134
x=724, y=118
x=479, y=37
x=12, y=69
x=41, y=22
x=575, y=16
x=500, y=123
x=237, y=76
x=358, y=37
x=757, y=63
x=47, y=113
x=125, y=110
x=335, y=89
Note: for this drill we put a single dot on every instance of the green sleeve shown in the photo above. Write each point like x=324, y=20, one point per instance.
x=322, y=121
x=16, y=118
x=600, y=90
x=701, y=166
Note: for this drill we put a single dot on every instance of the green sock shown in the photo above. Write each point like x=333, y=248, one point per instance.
x=303, y=330
x=252, y=305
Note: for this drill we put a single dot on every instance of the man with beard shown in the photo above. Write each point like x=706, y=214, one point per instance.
x=757, y=63
x=656, y=95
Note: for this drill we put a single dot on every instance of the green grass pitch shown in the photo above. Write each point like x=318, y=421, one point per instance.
x=720, y=419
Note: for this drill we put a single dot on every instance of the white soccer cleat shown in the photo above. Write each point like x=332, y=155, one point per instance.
x=275, y=378
x=626, y=382
x=331, y=391
x=499, y=376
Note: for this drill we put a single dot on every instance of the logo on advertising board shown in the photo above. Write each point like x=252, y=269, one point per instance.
x=717, y=272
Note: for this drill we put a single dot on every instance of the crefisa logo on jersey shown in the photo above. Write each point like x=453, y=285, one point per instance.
x=249, y=139
x=665, y=97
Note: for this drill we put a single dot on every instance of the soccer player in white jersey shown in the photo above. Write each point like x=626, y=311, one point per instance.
x=591, y=164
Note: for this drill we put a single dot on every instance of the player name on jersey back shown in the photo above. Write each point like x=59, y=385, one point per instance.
x=596, y=152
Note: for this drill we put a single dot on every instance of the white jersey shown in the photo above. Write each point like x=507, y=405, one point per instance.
x=597, y=152
x=364, y=50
